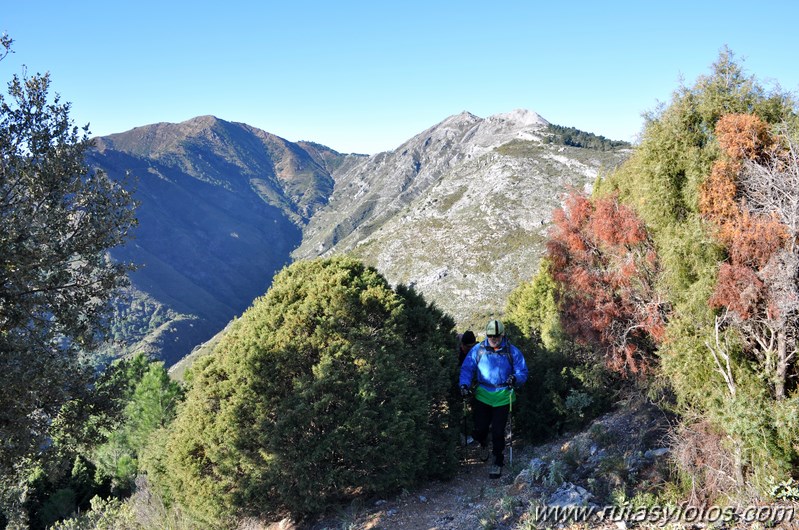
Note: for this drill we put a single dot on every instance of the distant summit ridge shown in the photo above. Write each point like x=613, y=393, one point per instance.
x=148, y=140
x=388, y=182
x=459, y=211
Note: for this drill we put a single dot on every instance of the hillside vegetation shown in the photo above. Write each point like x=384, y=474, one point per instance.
x=674, y=283
x=681, y=270
x=577, y=138
x=331, y=385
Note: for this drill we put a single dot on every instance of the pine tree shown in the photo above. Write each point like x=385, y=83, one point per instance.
x=149, y=406
x=331, y=385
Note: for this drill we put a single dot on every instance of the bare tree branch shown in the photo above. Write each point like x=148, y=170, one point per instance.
x=720, y=351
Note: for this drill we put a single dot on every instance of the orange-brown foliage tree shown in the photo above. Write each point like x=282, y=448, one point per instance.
x=744, y=137
x=606, y=265
x=751, y=196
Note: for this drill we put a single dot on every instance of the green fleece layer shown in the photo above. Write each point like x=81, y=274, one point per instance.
x=494, y=399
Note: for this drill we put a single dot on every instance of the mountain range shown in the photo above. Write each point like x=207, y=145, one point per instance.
x=459, y=211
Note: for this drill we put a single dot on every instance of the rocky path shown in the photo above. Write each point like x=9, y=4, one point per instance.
x=469, y=500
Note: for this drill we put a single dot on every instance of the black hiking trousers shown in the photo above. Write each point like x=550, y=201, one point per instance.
x=496, y=418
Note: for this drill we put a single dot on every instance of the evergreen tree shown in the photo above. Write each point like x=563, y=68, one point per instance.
x=330, y=386
x=667, y=182
x=150, y=406
x=58, y=219
x=576, y=138
x=533, y=309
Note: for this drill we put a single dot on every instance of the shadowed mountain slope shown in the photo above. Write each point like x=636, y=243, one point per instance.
x=220, y=209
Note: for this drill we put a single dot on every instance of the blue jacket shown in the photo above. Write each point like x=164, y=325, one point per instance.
x=494, y=367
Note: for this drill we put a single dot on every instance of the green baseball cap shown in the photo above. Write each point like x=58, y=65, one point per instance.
x=494, y=327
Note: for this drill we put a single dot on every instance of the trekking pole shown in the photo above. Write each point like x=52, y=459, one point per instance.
x=465, y=414
x=510, y=423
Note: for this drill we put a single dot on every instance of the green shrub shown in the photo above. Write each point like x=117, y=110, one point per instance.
x=565, y=388
x=110, y=514
x=330, y=386
x=577, y=403
x=61, y=504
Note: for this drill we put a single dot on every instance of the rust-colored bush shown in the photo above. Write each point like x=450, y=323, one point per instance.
x=606, y=265
x=743, y=136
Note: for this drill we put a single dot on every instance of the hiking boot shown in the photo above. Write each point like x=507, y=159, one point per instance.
x=485, y=452
x=495, y=472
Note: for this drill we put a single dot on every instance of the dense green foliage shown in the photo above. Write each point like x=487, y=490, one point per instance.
x=331, y=385
x=58, y=219
x=150, y=406
x=132, y=398
x=558, y=134
x=663, y=181
x=50, y=500
x=533, y=308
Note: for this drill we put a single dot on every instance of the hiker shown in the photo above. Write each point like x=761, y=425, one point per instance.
x=498, y=367
x=466, y=341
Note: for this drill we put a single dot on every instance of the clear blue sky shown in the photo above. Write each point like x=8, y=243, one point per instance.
x=364, y=76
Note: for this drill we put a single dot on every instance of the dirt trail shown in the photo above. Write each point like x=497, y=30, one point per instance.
x=469, y=500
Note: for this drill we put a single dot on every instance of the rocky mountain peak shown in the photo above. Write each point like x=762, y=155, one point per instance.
x=476, y=135
x=520, y=117
x=371, y=192
x=459, y=210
